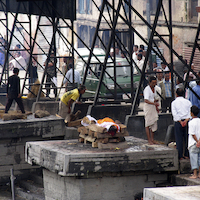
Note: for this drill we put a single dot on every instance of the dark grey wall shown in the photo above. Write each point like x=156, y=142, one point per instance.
x=136, y=126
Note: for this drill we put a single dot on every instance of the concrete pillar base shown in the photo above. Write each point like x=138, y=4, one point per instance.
x=93, y=188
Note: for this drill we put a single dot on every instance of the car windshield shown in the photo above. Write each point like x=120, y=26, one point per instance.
x=122, y=69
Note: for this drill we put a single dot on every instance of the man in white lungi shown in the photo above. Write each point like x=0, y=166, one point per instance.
x=150, y=109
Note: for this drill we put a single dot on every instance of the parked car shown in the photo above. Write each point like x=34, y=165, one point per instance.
x=123, y=77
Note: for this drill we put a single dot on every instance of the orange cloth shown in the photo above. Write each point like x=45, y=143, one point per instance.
x=106, y=119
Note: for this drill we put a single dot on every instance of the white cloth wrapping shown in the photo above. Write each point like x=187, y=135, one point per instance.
x=90, y=118
x=150, y=114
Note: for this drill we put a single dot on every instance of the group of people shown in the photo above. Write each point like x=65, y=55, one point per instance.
x=186, y=122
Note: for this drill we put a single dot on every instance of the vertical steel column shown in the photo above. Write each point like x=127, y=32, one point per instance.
x=47, y=60
x=130, y=52
x=147, y=55
x=6, y=61
x=149, y=31
x=107, y=53
x=114, y=46
x=192, y=55
x=171, y=46
x=94, y=40
x=72, y=23
x=32, y=42
x=9, y=43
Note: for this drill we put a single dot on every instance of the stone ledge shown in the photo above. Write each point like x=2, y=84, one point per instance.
x=172, y=193
x=46, y=127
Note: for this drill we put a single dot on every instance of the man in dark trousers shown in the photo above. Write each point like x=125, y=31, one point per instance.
x=13, y=91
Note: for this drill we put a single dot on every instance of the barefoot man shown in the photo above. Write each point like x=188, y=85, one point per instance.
x=150, y=109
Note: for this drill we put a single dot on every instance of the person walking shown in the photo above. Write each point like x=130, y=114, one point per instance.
x=13, y=91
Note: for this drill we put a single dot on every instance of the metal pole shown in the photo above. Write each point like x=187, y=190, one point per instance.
x=12, y=179
x=149, y=32
x=107, y=53
x=9, y=44
x=93, y=42
x=130, y=52
x=147, y=55
x=171, y=46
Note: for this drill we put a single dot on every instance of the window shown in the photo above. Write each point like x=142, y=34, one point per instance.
x=84, y=6
x=81, y=6
x=153, y=6
x=88, y=7
x=126, y=7
x=193, y=12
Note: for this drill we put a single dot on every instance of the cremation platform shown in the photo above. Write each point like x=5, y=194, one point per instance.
x=76, y=171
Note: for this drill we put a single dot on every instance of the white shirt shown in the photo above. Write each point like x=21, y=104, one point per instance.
x=134, y=56
x=140, y=64
x=148, y=94
x=181, y=109
x=193, y=129
x=18, y=62
x=157, y=96
x=166, y=69
x=69, y=76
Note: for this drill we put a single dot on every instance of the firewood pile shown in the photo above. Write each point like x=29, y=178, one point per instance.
x=100, y=138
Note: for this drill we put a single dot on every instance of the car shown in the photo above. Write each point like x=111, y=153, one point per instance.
x=123, y=77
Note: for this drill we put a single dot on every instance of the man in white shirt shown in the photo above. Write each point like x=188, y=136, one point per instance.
x=135, y=52
x=180, y=108
x=150, y=109
x=68, y=80
x=140, y=61
x=165, y=68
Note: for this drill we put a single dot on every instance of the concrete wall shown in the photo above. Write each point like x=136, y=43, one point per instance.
x=50, y=106
x=116, y=112
x=105, y=187
x=136, y=126
x=12, y=156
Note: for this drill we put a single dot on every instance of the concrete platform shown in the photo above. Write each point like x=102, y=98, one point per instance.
x=172, y=193
x=76, y=171
x=69, y=157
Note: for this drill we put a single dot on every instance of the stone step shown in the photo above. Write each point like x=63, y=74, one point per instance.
x=31, y=189
x=30, y=185
x=184, y=180
x=37, y=178
x=185, y=167
x=24, y=194
x=6, y=194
